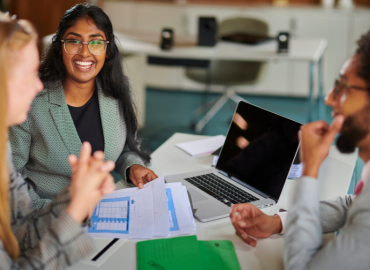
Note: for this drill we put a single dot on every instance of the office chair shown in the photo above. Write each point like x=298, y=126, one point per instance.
x=228, y=73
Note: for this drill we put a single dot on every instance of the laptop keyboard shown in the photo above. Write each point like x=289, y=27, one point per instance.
x=220, y=189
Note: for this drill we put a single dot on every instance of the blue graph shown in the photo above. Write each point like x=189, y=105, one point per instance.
x=174, y=226
x=111, y=216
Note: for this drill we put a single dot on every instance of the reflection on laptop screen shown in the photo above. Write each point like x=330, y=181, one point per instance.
x=259, y=149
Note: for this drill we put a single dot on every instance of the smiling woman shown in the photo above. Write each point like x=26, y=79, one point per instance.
x=83, y=55
x=86, y=97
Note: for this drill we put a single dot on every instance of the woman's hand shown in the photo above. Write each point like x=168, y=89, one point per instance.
x=248, y=221
x=91, y=181
x=140, y=175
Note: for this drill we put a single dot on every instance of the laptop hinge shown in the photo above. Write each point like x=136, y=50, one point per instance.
x=224, y=173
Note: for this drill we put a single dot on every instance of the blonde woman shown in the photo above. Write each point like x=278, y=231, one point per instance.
x=51, y=238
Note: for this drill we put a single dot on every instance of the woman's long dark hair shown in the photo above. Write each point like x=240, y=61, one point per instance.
x=114, y=83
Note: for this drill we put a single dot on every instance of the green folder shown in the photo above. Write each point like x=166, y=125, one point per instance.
x=186, y=252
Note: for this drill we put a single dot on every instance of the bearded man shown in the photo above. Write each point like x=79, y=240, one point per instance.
x=308, y=219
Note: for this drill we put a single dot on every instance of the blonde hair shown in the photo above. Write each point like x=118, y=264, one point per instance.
x=14, y=35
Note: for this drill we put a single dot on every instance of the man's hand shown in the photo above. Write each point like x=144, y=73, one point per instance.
x=316, y=139
x=140, y=175
x=248, y=221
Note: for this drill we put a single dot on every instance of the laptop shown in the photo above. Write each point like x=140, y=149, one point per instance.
x=253, y=165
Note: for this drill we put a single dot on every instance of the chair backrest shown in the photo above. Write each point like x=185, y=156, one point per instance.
x=233, y=72
x=243, y=26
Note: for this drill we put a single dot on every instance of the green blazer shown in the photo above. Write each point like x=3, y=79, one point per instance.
x=42, y=144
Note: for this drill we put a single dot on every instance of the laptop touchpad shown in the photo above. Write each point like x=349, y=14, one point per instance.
x=195, y=196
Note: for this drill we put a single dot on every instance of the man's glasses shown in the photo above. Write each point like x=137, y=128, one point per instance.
x=74, y=46
x=339, y=88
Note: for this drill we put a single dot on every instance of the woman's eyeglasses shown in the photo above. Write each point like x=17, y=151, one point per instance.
x=74, y=46
x=340, y=87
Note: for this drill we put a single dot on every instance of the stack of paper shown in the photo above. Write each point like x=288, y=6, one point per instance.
x=179, y=209
x=157, y=210
x=295, y=171
x=202, y=147
x=183, y=253
x=215, y=160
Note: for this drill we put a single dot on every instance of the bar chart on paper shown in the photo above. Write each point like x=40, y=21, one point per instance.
x=111, y=216
x=174, y=226
x=125, y=213
x=181, y=218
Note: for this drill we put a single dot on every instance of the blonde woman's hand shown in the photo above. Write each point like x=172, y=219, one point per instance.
x=90, y=182
x=108, y=185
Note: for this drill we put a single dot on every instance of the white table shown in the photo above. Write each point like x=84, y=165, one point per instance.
x=304, y=49
x=335, y=176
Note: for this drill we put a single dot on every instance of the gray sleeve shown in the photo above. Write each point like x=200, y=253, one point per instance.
x=125, y=161
x=37, y=202
x=303, y=237
x=128, y=157
x=333, y=213
x=20, y=140
x=62, y=245
x=48, y=239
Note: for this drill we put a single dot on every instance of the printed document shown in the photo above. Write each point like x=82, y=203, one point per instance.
x=160, y=207
x=126, y=213
x=202, y=147
x=181, y=217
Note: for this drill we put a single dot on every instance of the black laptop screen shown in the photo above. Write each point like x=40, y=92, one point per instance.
x=259, y=148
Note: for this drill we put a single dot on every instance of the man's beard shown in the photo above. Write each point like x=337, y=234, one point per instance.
x=355, y=128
